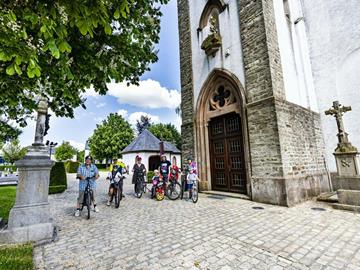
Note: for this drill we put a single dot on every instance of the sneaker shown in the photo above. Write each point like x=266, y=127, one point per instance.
x=108, y=203
x=96, y=209
x=77, y=213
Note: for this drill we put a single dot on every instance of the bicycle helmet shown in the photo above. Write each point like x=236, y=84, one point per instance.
x=190, y=158
x=138, y=157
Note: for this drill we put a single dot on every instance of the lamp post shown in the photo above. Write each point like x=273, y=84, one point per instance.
x=29, y=219
x=50, y=145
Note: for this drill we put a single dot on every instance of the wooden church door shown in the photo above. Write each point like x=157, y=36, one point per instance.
x=227, y=154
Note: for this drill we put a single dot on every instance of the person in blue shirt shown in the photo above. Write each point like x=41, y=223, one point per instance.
x=84, y=171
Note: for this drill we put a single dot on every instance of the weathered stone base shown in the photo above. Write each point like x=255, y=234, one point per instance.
x=288, y=191
x=27, y=215
x=350, y=197
x=346, y=207
x=345, y=182
x=40, y=233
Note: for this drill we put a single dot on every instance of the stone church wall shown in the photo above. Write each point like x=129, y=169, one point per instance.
x=334, y=35
x=302, y=152
x=281, y=172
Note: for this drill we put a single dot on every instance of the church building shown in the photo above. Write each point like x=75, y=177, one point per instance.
x=250, y=96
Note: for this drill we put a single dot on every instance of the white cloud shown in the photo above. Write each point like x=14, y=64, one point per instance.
x=123, y=113
x=79, y=146
x=148, y=94
x=100, y=105
x=91, y=93
x=99, y=119
x=137, y=115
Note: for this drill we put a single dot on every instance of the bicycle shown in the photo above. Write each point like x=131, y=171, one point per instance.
x=195, y=191
x=173, y=190
x=118, y=190
x=139, y=184
x=88, y=194
x=160, y=190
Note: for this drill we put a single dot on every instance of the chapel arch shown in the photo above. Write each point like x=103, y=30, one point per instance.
x=212, y=8
x=221, y=98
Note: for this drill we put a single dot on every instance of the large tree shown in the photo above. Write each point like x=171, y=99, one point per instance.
x=13, y=151
x=166, y=132
x=58, y=49
x=65, y=151
x=143, y=123
x=110, y=137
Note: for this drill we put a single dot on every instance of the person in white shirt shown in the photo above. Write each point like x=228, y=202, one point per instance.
x=115, y=175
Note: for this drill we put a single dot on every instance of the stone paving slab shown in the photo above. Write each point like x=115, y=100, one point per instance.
x=212, y=234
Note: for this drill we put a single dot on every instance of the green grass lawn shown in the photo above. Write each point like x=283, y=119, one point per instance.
x=15, y=257
x=7, y=200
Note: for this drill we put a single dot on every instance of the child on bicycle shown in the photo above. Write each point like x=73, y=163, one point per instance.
x=116, y=173
x=190, y=179
x=155, y=180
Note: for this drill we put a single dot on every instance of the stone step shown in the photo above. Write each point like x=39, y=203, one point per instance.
x=330, y=197
x=226, y=194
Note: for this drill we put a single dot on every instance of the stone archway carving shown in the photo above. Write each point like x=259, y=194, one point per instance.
x=222, y=93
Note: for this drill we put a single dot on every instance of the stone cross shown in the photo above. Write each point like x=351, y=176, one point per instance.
x=337, y=111
x=41, y=122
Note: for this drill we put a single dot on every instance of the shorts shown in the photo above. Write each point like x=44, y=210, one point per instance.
x=81, y=196
x=112, y=185
x=189, y=186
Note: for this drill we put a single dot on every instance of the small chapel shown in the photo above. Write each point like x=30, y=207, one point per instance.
x=256, y=79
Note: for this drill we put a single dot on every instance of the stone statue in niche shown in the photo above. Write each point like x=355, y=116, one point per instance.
x=213, y=41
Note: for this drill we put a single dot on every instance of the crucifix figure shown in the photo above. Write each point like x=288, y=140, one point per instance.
x=338, y=111
x=41, y=125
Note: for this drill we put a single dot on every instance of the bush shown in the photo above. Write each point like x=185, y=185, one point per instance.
x=149, y=176
x=101, y=166
x=72, y=166
x=11, y=167
x=56, y=189
x=58, y=181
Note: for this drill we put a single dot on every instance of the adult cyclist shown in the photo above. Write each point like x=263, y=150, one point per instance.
x=86, y=170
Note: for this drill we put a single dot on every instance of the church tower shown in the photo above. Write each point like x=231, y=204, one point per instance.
x=248, y=105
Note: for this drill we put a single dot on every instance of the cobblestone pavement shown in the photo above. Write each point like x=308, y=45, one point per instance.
x=215, y=233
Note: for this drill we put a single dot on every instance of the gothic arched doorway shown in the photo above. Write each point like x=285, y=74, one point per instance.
x=221, y=134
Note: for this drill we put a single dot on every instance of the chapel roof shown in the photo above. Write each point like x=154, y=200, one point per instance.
x=147, y=142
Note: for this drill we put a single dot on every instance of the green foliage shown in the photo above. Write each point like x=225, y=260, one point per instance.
x=80, y=156
x=72, y=166
x=13, y=257
x=110, y=137
x=167, y=132
x=58, y=180
x=65, y=151
x=144, y=123
x=8, y=132
x=7, y=200
x=59, y=49
x=57, y=189
x=149, y=176
x=12, y=151
x=5, y=167
x=101, y=166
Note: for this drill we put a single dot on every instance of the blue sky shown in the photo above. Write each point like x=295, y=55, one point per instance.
x=158, y=94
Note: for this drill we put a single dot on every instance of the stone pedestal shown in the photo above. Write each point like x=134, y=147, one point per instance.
x=29, y=219
x=347, y=163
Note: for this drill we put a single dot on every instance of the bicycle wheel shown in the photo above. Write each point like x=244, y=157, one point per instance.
x=88, y=203
x=173, y=191
x=159, y=193
x=195, y=194
x=138, y=189
x=118, y=197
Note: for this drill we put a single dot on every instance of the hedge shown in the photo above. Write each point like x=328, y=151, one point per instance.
x=11, y=167
x=57, y=189
x=72, y=166
x=58, y=181
x=149, y=176
x=101, y=166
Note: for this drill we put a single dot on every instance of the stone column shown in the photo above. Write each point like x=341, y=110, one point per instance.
x=29, y=219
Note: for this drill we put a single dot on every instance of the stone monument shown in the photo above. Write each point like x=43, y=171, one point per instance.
x=347, y=180
x=29, y=219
